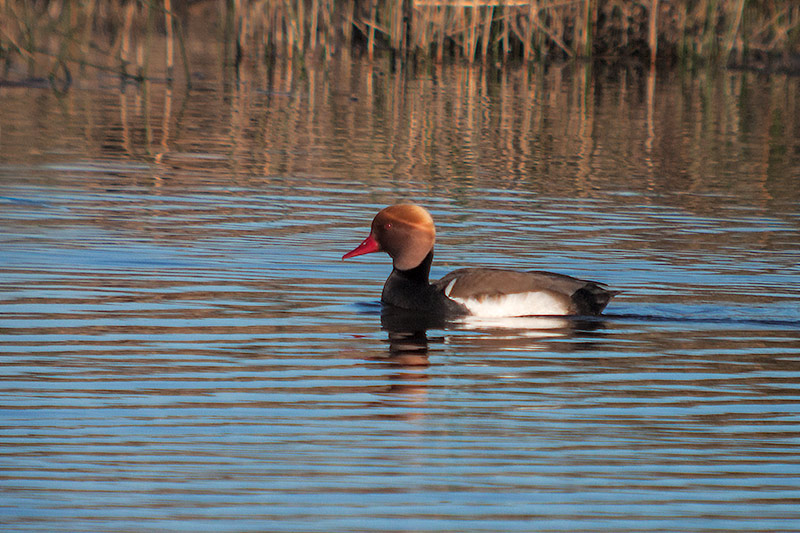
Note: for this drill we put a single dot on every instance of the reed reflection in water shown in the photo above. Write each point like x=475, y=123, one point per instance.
x=183, y=348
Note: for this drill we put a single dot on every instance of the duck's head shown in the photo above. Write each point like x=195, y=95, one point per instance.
x=404, y=231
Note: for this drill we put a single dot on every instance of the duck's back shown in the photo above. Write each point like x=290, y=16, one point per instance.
x=498, y=292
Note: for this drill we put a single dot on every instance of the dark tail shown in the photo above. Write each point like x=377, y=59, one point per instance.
x=591, y=299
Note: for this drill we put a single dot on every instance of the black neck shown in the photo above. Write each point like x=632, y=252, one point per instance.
x=420, y=273
x=411, y=290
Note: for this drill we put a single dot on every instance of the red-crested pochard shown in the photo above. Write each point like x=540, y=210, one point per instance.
x=406, y=232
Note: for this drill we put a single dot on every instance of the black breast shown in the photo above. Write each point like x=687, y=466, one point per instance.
x=406, y=292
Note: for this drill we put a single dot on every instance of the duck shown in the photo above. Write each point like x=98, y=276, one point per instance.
x=406, y=232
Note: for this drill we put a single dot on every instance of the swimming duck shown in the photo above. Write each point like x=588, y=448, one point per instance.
x=407, y=233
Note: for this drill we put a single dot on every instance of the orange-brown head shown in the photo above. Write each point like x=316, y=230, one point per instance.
x=404, y=231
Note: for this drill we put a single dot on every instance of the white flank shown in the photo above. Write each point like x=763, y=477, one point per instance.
x=519, y=304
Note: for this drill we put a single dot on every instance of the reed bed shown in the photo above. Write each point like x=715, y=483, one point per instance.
x=52, y=38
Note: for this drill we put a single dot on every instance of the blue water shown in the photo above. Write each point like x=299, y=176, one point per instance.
x=184, y=350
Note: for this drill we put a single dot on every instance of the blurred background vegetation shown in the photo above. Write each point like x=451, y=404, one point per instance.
x=42, y=39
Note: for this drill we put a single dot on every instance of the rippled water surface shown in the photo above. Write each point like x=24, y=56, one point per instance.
x=183, y=349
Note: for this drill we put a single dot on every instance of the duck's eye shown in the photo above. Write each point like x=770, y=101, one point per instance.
x=387, y=226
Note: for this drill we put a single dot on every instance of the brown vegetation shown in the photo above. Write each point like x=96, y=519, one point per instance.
x=51, y=37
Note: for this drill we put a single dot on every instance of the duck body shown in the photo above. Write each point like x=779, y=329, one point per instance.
x=406, y=232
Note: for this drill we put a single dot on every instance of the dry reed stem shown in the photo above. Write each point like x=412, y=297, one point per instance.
x=371, y=29
x=312, y=33
x=125, y=44
x=732, y=31
x=528, y=37
x=441, y=19
x=652, y=33
x=169, y=37
x=487, y=31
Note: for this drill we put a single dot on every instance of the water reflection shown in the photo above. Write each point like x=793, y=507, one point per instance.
x=408, y=333
x=458, y=126
x=408, y=336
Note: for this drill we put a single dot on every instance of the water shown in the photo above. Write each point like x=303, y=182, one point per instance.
x=183, y=348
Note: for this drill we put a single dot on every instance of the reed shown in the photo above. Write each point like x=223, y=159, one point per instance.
x=51, y=36
x=55, y=37
x=652, y=31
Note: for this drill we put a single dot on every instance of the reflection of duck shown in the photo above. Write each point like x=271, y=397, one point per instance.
x=408, y=339
x=407, y=233
x=409, y=343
